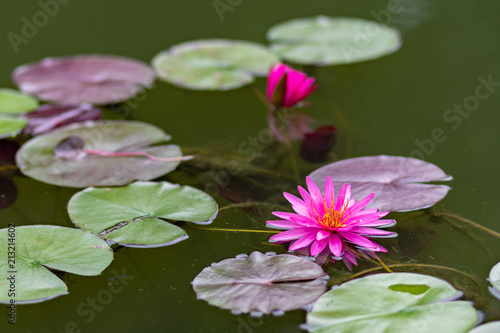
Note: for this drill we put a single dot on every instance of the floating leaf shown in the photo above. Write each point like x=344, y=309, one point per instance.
x=40, y=247
x=213, y=64
x=332, y=40
x=50, y=116
x=261, y=283
x=395, y=180
x=494, y=279
x=37, y=157
x=392, y=302
x=94, y=79
x=10, y=127
x=13, y=101
x=491, y=327
x=130, y=215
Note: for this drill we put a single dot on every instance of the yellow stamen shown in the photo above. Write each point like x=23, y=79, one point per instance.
x=334, y=219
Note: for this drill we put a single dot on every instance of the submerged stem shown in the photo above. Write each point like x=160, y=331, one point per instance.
x=473, y=224
x=288, y=144
x=138, y=153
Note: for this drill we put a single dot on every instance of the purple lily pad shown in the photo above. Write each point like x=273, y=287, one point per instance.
x=115, y=141
x=261, y=283
x=395, y=180
x=50, y=116
x=94, y=79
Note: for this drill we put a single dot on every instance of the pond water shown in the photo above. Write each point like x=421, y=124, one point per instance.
x=389, y=106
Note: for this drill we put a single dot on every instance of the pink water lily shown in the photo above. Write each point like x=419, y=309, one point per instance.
x=327, y=225
x=287, y=86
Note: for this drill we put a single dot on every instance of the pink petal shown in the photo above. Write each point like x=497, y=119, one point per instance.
x=322, y=234
x=290, y=234
x=342, y=196
x=360, y=241
x=303, y=242
x=305, y=89
x=372, y=232
x=298, y=205
x=362, y=204
x=379, y=223
x=318, y=246
x=303, y=220
x=329, y=192
x=335, y=245
x=273, y=78
x=305, y=195
x=293, y=83
x=283, y=224
x=317, y=197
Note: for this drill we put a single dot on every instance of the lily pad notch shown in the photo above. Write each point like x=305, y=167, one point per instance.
x=141, y=214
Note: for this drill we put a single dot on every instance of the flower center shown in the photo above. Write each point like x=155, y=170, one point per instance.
x=334, y=219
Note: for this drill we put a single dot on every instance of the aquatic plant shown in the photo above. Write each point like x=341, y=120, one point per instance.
x=323, y=223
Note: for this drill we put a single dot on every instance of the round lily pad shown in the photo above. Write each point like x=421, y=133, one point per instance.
x=13, y=101
x=261, y=283
x=494, y=279
x=392, y=302
x=213, y=64
x=94, y=79
x=332, y=40
x=395, y=180
x=132, y=215
x=38, y=157
x=38, y=248
x=491, y=327
x=11, y=126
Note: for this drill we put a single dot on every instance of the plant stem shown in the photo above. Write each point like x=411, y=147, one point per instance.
x=248, y=204
x=473, y=224
x=235, y=230
x=288, y=144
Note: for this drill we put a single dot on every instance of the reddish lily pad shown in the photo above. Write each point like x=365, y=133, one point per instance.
x=261, y=283
x=94, y=79
x=38, y=158
x=50, y=116
x=395, y=180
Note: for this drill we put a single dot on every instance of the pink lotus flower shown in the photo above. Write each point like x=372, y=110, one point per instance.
x=326, y=225
x=287, y=86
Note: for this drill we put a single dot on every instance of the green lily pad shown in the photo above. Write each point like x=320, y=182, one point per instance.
x=131, y=215
x=13, y=101
x=494, y=279
x=261, y=283
x=392, y=302
x=491, y=327
x=332, y=40
x=11, y=126
x=40, y=247
x=38, y=158
x=213, y=64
